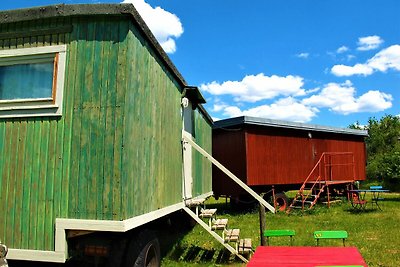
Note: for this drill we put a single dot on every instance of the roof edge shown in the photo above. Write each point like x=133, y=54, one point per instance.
x=237, y=121
x=63, y=10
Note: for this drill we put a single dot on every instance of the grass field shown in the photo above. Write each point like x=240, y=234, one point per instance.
x=375, y=233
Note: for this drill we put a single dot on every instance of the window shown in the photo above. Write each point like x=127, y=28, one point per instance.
x=32, y=81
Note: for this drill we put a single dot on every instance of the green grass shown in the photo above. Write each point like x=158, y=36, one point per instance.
x=375, y=233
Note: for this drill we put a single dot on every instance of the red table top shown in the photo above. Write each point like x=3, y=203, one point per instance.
x=305, y=256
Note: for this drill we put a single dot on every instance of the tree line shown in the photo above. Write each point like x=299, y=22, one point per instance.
x=383, y=150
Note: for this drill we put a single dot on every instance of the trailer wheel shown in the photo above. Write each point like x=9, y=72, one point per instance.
x=143, y=250
x=281, y=201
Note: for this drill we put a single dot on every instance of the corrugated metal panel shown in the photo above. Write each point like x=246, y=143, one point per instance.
x=202, y=168
x=229, y=148
x=102, y=159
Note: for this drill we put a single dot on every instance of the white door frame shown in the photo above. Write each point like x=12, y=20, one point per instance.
x=187, y=115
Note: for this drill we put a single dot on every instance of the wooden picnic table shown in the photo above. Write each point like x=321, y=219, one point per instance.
x=269, y=256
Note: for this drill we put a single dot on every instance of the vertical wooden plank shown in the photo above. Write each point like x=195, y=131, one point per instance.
x=99, y=63
x=12, y=186
x=6, y=42
x=119, y=114
x=106, y=121
x=43, y=180
x=90, y=122
x=75, y=131
x=18, y=200
x=69, y=119
x=81, y=147
x=13, y=41
x=6, y=195
x=35, y=184
x=49, y=221
x=109, y=120
x=27, y=175
x=3, y=180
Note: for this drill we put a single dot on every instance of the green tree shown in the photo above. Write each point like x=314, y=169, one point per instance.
x=383, y=149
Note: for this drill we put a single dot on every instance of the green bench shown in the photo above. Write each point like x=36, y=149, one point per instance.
x=330, y=235
x=278, y=233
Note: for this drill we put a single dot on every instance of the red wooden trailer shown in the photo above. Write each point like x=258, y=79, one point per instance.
x=283, y=155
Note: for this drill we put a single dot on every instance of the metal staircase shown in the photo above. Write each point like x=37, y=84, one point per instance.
x=321, y=176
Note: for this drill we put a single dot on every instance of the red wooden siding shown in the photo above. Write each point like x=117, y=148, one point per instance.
x=284, y=156
x=229, y=149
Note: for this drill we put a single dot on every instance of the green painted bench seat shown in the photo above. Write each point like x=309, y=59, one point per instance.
x=278, y=233
x=330, y=235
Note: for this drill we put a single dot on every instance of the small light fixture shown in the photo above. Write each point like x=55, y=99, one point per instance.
x=185, y=102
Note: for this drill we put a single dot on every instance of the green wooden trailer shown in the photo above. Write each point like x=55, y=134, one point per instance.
x=92, y=112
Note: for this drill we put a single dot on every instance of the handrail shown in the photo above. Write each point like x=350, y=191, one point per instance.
x=322, y=175
x=187, y=138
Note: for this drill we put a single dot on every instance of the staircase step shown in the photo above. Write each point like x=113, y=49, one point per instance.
x=208, y=213
x=219, y=224
x=231, y=235
x=297, y=207
x=195, y=202
x=245, y=246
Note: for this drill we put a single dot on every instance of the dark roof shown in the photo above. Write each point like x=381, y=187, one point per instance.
x=62, y=10
x=239, y=121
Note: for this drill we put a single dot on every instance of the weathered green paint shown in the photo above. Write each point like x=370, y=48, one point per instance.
x=202, y=168
x=115, y=152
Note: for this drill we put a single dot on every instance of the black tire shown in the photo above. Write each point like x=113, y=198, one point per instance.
x=143, y=250
x=281, y=201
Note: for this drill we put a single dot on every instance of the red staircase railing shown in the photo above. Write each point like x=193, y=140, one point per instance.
x=329, y=166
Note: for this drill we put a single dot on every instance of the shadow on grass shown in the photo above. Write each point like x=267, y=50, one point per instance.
x=234, y=208
x=196, y=254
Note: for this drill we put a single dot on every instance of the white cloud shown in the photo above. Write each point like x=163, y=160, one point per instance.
x=341, y=99
x=258, y=87
x=303, y=55
x=165, y=26
x=369, y=43
x=283, y=109
x=359, y=69
x=342, y=49
x=388, y=58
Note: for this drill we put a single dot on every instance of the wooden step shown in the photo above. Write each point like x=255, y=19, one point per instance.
x=208, y=213
x=245, y=246
x=231, y=235
x=219, y=224
x=195, y=202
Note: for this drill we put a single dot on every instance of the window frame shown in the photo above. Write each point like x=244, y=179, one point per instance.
x=34, y=107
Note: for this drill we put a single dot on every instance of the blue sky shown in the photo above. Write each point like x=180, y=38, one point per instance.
x=330, y=62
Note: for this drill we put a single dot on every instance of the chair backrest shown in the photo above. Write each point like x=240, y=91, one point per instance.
x=330, y=234
x=355, y=197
